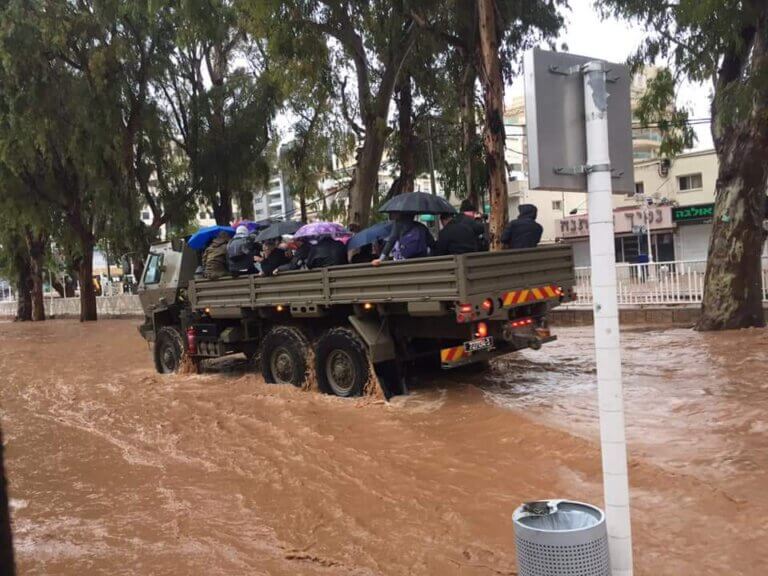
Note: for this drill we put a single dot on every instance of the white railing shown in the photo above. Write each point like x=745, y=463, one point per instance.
x=119, y=305
x=676, y=282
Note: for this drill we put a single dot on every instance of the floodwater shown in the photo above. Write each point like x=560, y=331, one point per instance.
x=114, y=469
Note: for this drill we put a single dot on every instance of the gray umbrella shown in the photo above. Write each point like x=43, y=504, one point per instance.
x=277, y=230
x=418, y=203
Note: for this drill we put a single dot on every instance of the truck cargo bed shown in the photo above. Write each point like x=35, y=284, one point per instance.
x=440, y=278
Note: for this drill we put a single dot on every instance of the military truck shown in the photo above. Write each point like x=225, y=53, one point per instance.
x=346, y=326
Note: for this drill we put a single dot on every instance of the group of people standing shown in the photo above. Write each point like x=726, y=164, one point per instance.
x=460, y=233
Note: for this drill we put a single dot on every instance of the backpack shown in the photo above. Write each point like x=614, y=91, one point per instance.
x=412, y=244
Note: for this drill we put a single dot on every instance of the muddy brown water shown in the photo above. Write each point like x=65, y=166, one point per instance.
x=117, y=470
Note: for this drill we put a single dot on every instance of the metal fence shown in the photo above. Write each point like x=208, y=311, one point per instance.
x=675, y=282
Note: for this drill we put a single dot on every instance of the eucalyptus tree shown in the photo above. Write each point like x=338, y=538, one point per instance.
x=723, y=43
x=220, y=98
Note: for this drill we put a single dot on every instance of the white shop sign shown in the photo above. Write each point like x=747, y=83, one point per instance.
x=658, y=218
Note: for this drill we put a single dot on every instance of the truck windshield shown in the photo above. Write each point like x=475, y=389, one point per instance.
x=154, y=269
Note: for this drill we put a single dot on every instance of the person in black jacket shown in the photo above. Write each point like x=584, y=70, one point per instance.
x=524, y=231
x=326, y=252
x=467, y=217
x=275, y=257
x=456, y=236
x=298, y=260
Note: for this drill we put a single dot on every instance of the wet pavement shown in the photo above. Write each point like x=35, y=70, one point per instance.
x=117, y=470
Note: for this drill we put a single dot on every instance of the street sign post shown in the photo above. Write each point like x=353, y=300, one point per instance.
x=555, y=123
x=579, y=138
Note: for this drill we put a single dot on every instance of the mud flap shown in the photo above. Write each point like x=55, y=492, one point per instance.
x=391, y=378
x=381, y=351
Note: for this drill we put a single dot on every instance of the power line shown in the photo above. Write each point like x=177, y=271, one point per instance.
x=635, y=125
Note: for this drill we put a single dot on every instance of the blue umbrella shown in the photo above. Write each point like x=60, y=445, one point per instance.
x=370, y=235
x=203, y=237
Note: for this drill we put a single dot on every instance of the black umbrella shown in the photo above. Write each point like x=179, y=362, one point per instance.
x=277, y=230
x=418, y=203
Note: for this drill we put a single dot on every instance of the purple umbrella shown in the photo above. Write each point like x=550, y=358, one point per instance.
x=316, y=229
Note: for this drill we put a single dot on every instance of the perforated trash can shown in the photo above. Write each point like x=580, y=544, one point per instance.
x=560, y=538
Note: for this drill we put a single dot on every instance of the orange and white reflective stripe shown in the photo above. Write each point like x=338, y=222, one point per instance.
x=530, y=295
x=448, y=355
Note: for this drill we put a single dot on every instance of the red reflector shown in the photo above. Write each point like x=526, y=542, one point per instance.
x=466, y=308
x=482, y=330
x=488, y=305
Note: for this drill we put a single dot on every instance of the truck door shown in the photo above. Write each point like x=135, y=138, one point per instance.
x=159, y=282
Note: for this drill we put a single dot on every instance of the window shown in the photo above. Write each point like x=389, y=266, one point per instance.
x=154, y=269
x=514, y=167
x=145, y=215
x=639, y=188
x=557, y=205
x=689, y=182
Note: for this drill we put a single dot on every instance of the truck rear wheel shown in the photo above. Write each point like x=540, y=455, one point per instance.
x=341, y=363
x=284, y=356
x=169, y=349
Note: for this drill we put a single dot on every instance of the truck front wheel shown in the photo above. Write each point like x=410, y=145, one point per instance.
x=283, y=356
x=169, y=349
x=341, y=363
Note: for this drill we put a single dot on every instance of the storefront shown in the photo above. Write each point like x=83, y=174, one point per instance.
x=694, y=226
x=630, y=225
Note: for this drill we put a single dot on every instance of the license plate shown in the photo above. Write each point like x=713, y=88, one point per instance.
x=479, y=345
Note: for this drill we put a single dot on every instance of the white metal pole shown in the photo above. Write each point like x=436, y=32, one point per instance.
x=606, y=319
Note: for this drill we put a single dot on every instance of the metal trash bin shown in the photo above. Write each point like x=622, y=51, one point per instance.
x=560, y=538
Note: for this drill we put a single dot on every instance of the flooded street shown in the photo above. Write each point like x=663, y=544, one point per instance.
x=114, y=469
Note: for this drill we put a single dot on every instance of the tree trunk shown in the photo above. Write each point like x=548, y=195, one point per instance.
x=493, y=135
x=87, y=290
x=407, y=139
x=366, y=175
x=37, y=293
x=733, y=283
x=469, y=133
x=36, y=247
x=23, y=289
x=733, y=288
x=470, y=146
x=245, y=203
x=303, y=205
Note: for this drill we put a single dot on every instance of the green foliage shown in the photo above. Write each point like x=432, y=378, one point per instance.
x=219, y=96
x=705, y=41
x=657, y=107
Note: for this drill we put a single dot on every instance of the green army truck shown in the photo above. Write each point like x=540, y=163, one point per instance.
x=343, y=325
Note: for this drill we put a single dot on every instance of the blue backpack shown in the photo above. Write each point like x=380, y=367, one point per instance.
x=412, y=244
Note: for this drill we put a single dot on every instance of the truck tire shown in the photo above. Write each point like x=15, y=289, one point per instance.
x=341, y=363
x=284, y=356
x=169, y=350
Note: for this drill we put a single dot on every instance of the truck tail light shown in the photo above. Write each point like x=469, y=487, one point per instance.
x=521, y=323
x=482, y=330
x=488, y=306
x=465, y=313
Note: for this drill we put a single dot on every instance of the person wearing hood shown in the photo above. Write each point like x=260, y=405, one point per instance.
x=326, y=252
x=524, y=231
x=240, y=252
x=215, y=257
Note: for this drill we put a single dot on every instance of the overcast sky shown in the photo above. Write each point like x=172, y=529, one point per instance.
x=614, y=40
